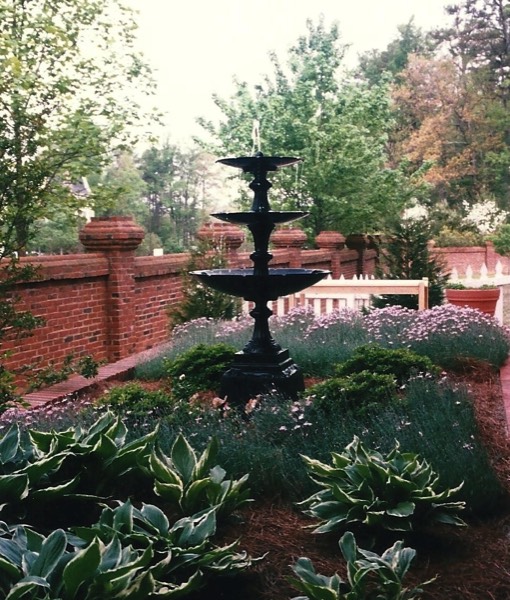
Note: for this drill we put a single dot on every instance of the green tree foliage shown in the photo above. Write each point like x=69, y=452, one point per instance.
x=374, y=64
x=123, y=190
x=67, y=70
x=405, y=254
x=338, y=126
x=176, y=181
x=478, y=39
x=57, y=234
x=199, y=300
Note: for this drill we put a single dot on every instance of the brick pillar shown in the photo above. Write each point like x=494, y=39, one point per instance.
x=117, y=238
x=292, y=239
x=360, y=243
x=335, y=243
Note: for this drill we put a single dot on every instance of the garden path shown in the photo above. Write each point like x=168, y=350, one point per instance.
x=75, y=384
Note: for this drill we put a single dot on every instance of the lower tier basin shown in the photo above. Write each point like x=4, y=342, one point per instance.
x=247, y=285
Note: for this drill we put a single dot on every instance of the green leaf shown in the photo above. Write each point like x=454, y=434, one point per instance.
x=163, y=471
x=45, y=466
x=123, y=519
x=169, y=590
x=27, y=587
x=111, y=556
x=105, y=448
x=13, y=487
x=57, y=491
x=206, y=459
x=348, y=546
x=81, y=568
x=156, y=517
x=168, y=491
x=193, y=496
x=183, y=458
x=11, y=551
x=403, y=509
x=9, y=569
x=141, y=589
x=9, y=445
x=51, y=552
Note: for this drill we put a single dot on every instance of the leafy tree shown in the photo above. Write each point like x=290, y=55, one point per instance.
x=67, y=70
x=123, y=190
x=176, y=180
x=199, y=300
x=411, y=40
x=447, y=131
x=57, y=234
x=478, y=39
x=338, y=126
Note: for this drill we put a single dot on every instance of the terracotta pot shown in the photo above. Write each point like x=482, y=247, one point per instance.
x=484, y=300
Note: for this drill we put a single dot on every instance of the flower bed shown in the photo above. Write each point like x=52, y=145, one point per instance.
x=453, y=420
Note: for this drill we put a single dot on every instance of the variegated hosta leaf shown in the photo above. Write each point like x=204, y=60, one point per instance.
x=395, y=493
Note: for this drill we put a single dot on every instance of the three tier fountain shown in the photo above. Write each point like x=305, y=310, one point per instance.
x=262, y=365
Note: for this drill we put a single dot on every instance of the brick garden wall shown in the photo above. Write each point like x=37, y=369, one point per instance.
x=108, y=303
x=474, y=257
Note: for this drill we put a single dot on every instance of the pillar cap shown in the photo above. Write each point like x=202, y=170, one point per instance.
x=288, y=238
x=111, y=233
x=330, y=239
x=230, y=236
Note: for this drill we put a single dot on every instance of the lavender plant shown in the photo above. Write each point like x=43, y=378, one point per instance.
x=446, y=334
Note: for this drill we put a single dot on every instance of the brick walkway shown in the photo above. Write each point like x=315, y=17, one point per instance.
x=118, y=370
x=123, y=368
x=505, y=386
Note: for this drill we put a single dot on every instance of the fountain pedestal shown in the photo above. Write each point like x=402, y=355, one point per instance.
x=262, y=366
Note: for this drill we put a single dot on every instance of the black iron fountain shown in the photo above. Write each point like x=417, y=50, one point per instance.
x=262, y=365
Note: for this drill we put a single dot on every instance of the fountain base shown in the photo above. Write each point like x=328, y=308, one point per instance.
x=252, y=374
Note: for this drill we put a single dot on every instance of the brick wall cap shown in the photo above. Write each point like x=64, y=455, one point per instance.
x=288, y=238
x=330, y=239
x=231, y=236
x=111, y=233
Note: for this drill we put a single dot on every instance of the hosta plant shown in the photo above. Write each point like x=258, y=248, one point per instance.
x=49, y=568
x=192, y=483
x=130, y=553
x=369, y=576
x=40, y=470
x=398, y=492
x=183, y=555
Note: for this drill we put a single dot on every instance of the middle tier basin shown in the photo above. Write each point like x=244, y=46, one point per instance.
x=247, y=285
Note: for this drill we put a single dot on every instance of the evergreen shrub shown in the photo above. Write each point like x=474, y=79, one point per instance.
x=199, y=369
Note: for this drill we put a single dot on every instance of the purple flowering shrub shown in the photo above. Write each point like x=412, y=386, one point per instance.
x=447, y=334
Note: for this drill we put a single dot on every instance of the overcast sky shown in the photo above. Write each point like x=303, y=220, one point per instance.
x=197, y=46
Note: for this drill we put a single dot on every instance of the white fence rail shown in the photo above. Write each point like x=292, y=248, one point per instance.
x=331, y=294
x=335, y=294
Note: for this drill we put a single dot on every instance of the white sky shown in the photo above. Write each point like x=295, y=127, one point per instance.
x=196, y=46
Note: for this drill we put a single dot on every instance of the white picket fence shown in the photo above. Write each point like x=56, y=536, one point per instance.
x=330, y=294
x=335, y=294
x=480, y=277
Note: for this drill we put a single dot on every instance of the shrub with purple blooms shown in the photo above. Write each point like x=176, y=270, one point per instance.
x=447, y=334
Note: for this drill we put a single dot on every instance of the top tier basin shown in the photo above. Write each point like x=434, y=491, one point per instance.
x=251, y=218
